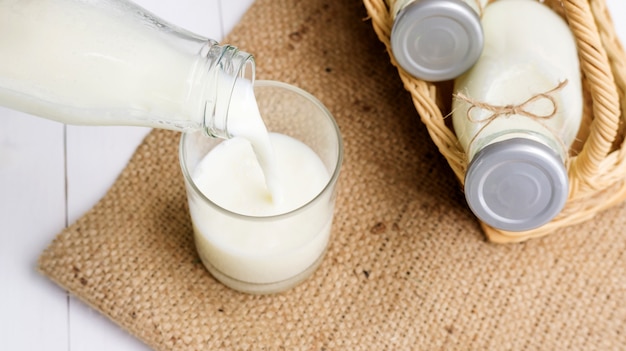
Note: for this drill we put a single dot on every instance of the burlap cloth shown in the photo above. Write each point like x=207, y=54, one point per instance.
x=408, y=267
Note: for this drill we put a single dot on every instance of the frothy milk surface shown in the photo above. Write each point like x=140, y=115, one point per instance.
x=230, y=175
x=261, y=250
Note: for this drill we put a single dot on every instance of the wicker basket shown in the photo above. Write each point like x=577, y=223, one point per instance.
x=597, y=166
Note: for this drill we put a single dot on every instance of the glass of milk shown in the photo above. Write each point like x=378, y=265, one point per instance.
x=250, y=238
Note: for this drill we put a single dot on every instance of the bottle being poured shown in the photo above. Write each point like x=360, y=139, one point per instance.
x=111, y=62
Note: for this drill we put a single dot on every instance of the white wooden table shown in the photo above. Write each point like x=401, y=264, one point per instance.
x=51, y=174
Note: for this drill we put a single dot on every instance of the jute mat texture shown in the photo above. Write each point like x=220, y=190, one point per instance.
x=408, y=267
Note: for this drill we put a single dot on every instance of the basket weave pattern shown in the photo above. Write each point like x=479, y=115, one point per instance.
x=597, y=163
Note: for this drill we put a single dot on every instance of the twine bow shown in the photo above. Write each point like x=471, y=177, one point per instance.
x=511, y=109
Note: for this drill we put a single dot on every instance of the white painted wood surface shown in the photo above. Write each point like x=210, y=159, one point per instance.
x=51, y=174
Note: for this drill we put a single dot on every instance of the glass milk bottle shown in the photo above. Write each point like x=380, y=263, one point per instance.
x=110, y=62
x=516, y=112
x=437, y=40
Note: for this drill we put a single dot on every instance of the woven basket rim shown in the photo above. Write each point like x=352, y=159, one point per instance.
x=597, y=172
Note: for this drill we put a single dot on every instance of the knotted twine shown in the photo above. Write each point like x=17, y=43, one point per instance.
x=521, y=109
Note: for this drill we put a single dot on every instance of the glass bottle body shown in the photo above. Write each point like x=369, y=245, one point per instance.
x=111, y=62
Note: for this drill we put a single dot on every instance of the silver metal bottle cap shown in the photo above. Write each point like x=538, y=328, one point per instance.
x=516, y=184
x=437, y=40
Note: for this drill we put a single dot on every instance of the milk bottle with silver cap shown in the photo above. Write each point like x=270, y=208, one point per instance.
x=437, y=40
x=516, y=112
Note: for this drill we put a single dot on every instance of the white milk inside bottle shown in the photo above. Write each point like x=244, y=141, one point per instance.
x=100, y=47
x=110, y=62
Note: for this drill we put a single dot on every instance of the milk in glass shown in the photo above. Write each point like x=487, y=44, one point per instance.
x=249, y=236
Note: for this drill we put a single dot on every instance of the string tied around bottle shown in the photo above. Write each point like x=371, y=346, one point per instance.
x=521, y=109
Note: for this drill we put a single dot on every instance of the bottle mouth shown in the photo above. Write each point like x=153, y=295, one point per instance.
x=238, y=63
x=229, y=65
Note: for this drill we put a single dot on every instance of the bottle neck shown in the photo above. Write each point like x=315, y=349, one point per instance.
x=225, y=65
x=539, y=135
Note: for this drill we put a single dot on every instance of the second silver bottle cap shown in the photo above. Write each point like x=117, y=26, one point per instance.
x=516, y=185
x=436, y=40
